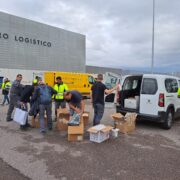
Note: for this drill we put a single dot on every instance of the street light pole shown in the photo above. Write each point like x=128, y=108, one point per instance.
x=152, y=58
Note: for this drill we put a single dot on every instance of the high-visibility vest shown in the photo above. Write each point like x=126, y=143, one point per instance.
x=6, y=85
x=35, y=81
x=3, y=85
x=179, y=92
x=60, y=90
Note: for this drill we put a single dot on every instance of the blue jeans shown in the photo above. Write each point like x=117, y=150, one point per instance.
x=42, y=109
x=72, y=112
x=75, y=120
x=98, y=113
x=6, y=98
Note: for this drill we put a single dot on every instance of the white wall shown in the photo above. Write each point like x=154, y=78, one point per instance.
x=28, y=75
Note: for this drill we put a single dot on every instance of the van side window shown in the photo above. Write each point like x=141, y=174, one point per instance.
x=149, y=86
x=171, y=85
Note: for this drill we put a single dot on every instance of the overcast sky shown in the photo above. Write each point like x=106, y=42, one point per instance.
x=118, y=32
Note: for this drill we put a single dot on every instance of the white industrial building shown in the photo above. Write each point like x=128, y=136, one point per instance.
x=30, y=48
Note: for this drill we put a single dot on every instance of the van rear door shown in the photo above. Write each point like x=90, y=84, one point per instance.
x=149, y=97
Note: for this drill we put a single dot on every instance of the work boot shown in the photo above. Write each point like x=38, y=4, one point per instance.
x=28, y=125
x=23, y=128
x=9, y=120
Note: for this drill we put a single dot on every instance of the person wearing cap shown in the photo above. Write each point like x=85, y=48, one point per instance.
x=6, y=85
x=98, y=91
x=60, y=88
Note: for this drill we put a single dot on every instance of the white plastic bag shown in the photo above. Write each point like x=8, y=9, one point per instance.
x=20, y=116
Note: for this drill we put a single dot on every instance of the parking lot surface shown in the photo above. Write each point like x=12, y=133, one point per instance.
x=148, y=153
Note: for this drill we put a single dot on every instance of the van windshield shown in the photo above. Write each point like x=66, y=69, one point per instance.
x=149, y=86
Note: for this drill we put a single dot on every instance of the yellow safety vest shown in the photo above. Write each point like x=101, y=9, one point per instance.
x=6, y=85
x=35, y=81
x=60, y=90
x=179, y=92
x=3, y=85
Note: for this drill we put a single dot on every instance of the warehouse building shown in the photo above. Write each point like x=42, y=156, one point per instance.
x=103, y=70
x=29, y=47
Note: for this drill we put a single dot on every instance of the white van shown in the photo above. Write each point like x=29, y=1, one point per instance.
x=151, y=96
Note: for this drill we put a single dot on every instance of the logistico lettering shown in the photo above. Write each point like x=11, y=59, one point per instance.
x=27, y=40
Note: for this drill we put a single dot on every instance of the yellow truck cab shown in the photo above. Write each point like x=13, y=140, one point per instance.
x=81, y=82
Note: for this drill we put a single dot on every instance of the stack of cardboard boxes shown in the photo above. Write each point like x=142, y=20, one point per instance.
x=99, y=133
x=125, y=124
x=75, y=133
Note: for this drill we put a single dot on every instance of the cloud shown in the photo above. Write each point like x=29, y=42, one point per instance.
x=118, y=33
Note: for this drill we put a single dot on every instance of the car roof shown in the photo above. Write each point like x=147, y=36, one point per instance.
x=160, y=76
x=152, y=75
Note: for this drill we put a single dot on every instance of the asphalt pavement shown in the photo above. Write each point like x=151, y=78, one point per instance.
x=150, y=152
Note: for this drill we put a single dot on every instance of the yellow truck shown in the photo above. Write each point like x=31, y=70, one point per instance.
x=81, y=82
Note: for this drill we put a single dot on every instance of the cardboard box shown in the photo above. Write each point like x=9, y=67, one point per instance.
x=86, y=118
x=130, y=103
x=125, y=124
x=61, y=126
x=75, y=137
x=99, y=133
x=62, y=114
x=76, y=133
x=35, y=122
x=76, y=129
x=117, y=116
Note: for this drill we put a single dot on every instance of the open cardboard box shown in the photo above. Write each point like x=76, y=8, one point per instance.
x=125, y=124
x=62, y=114
x=99, y=133
x=86, y=118
x=76, y=133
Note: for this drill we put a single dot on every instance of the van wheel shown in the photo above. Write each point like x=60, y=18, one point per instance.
x=168, y=119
